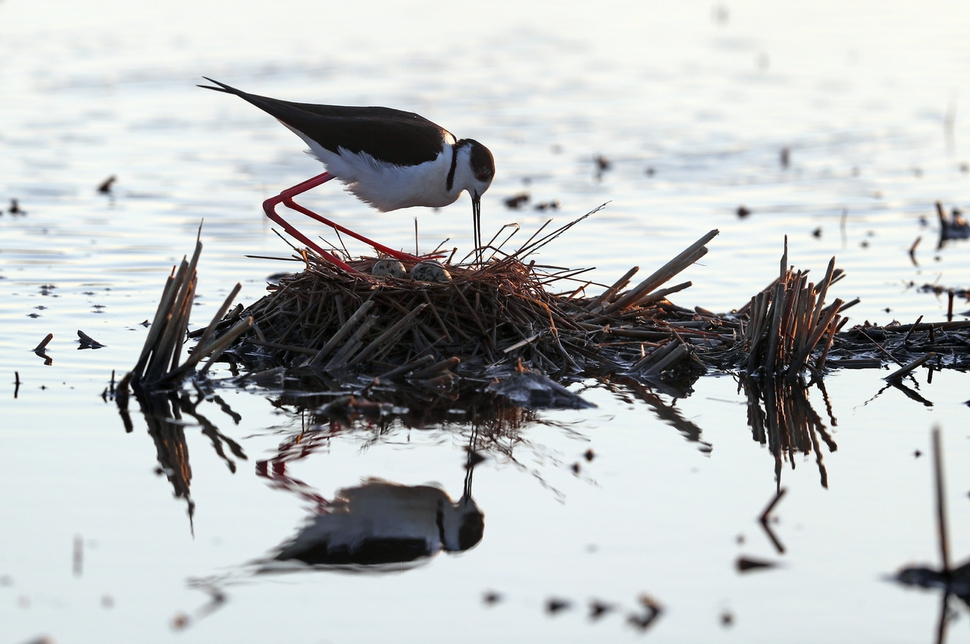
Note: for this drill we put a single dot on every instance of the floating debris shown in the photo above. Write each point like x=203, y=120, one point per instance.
x=747, y=564
x=956, y=227
x=43, y=343
x=105, y=187
x=490, y=598
x=534, y=390
x=41, y=350
x=548, y=205
x=556, y=605
x=598, y=609
x=516, y=202
x=951, y=580
x=87, y=342
x=603, y=164
x=651, y=611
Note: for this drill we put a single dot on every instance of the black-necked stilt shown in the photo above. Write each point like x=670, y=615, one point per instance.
x=387, y=158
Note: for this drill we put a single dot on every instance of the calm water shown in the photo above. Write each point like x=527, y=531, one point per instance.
x=692, y=104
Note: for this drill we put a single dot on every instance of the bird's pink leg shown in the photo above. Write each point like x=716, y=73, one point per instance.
x=269, y=207
x=286, y=198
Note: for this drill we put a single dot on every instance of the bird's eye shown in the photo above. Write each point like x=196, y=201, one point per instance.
x=484, y=176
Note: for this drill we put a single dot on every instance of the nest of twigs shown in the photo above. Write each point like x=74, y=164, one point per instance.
x=501, y=311
x=503, y=314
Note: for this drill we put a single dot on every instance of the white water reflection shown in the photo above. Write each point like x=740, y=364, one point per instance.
x=860, y=95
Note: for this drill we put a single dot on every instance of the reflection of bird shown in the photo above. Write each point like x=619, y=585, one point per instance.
x=957, y=582
x=387, y=158
x=382, y=525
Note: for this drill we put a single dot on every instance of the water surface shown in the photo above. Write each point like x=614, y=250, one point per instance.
x=692, y=104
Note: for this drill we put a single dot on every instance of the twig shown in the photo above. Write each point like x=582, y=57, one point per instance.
x=899, y=373
x=43, y=343
x=941, y=522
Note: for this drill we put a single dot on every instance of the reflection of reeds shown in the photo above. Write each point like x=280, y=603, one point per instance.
x=489, y=425
x=952, y=581
x=165, y=414
x=168, y=432
x=781, y=416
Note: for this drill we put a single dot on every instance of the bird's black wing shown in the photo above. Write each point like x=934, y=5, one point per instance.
x=393, y=136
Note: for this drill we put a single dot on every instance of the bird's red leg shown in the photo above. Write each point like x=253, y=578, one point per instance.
x=269, y=207
x=286, y=198
x=396, y=254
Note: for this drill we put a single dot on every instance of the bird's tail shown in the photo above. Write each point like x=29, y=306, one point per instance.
x=222, y=87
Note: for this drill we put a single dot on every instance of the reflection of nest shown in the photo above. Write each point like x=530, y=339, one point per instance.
x=465, y=401
x=488, y=426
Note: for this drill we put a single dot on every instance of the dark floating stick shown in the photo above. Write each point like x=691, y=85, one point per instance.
x=747, y=564
x=909, y=367
x=40, y=348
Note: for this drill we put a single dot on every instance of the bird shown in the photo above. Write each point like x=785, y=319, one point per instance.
x=387, y=158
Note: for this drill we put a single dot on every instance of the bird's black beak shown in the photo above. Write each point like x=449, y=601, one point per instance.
x=477, y=223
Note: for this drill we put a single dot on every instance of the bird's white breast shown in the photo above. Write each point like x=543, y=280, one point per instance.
x=386, y=186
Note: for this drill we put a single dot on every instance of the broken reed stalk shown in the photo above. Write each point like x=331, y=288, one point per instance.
x=617, y=286
x=158, y=365
x=690, y=255
x=909, y=367
x=40, y=348
x=789, y=319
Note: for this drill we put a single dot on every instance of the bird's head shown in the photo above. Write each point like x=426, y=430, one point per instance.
x=476, y=168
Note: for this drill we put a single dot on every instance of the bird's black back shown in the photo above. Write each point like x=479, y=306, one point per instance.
x=389, y=135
